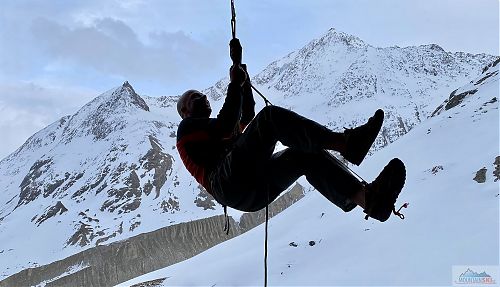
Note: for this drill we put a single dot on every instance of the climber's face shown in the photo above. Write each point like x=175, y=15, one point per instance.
x=194, y=104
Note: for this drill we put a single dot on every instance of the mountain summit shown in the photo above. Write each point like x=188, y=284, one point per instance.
x=110, y=171
x=341, y=80
x=126, y=95
x=106, y=113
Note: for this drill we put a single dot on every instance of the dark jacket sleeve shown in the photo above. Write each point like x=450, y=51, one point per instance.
x=248, y=103
x=230, y=113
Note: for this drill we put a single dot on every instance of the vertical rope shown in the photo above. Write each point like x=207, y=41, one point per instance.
x=267, y=217
x=265, y=244
x=226, y=221
x=233, y=19
x=233, y=32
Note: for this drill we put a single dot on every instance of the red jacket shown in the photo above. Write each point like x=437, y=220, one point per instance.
x=203, y=142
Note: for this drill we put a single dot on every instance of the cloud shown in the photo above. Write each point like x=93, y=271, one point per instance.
x=112, y=48
x=167, y=46
x=27, y=108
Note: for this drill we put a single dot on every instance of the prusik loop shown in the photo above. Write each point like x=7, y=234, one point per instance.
x=398, y=213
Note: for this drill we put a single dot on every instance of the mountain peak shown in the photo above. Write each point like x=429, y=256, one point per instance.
x=334, y=35
x=434, y=47
x=127, y=85
x=127, y=92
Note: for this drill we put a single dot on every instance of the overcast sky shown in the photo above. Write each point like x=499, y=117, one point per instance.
x=57, y=55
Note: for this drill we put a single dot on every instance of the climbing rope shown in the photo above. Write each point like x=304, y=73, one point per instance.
x=265, y=241
x=226, y=221
x=267, y=102
x=233, y=19
x=233, y=32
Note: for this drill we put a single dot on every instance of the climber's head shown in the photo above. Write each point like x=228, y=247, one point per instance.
x=193, y=104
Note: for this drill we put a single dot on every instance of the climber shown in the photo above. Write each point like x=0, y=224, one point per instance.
x=232, y=156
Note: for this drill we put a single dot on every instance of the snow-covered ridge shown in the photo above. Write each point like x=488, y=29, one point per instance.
x=111, y=171
x=340, y=81
x=453, y=170
x=458, y=96
x=103, y=174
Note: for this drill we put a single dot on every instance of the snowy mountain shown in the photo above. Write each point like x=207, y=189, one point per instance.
x=489, y=74
x=339, y=80
x=451, y=220
x=94, y=177
x=108, y=180
x=106, y=174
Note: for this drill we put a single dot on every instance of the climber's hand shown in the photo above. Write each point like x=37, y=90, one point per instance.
x=235, y=51
x=237, y=75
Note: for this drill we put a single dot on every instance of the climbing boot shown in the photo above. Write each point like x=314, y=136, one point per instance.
x=360, y=139
x=382, y=193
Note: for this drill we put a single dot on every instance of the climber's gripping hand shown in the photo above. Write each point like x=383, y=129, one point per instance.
x=235, y=51
x=237, y=75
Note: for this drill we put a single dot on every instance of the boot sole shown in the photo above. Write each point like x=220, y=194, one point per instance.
x=396, y=172
x=379, y=119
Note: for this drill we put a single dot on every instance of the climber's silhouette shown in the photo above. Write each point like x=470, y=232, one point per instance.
x=232, y=157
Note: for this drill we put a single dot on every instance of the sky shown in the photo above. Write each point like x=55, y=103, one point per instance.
x=57, y=55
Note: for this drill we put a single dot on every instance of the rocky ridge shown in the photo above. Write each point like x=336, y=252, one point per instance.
x=110, y=171
x=339, y=80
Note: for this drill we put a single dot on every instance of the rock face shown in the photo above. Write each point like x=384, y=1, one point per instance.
x=489, y=73
x=480, y=175
x=30, y=190
x=114, y=169
x=151, y=283
x=117, y=262
x=496, y=171
x=339, y=80
x=92, y=176
x=57, y=209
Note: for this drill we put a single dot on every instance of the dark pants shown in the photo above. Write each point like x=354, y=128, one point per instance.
x=251, y=176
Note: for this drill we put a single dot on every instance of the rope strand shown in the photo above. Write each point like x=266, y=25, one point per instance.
x=233, y=19
x=265, y=244
x=267, y=102
x=226, y=221
x=261, y=95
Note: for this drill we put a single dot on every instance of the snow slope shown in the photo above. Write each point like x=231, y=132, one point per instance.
x=104, y=174
x=451, y=220
x=339, y=80
x=111, y=171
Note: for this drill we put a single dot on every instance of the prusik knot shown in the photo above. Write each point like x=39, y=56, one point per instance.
x=398, y=213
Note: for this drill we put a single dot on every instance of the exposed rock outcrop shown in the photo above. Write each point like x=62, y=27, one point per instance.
x=481, y=175
x=108, y=265
x=459, y=95
x=204, y=199
x=50, y=212
x=30, y=188
x=496, y=172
